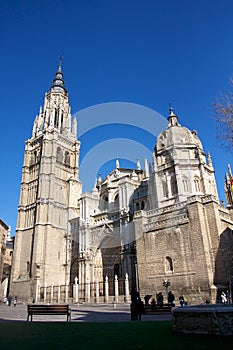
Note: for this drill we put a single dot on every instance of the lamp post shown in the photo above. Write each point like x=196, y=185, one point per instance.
x=166, y=284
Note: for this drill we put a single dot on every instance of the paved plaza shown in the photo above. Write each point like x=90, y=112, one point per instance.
x=80, y=313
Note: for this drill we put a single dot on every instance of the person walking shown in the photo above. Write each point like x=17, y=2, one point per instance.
x=171, y=298
x=223, y=297
x=160, y=299
x=9, y=299
x=181, y=299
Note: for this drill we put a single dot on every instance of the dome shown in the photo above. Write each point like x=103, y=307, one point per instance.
x=176, y=135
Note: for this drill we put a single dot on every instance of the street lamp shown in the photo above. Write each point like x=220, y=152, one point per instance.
x=166, y=284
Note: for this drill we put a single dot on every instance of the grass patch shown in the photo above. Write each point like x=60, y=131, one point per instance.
x=99, y=336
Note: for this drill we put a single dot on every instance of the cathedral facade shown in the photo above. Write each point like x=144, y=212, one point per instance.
x=153, y=224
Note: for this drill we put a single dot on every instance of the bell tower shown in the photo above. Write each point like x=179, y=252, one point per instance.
x=49, y=193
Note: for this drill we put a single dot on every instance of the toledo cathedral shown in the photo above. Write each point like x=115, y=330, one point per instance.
x=147, y=226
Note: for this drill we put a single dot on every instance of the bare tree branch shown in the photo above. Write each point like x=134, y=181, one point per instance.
x=223, y=113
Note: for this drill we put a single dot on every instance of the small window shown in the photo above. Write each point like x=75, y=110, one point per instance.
x=168, y=264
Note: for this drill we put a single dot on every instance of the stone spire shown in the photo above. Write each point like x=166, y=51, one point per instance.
x=74, y=126
x=146, y=168
x=58, y=81
x=117, y=163
x=138, y=164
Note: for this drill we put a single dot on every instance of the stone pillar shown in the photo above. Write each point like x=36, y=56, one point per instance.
x=127, y=295
x=37, y=291
x=213, y=293
x=66, y=291
x=87, y=291
x=106, y=289
x=116, y=289
x=51, y=296
x=75, y=289
x=59, y=293
x=97, y=291
x=45, y=291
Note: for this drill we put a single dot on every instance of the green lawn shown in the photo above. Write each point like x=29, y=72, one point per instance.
x=94, y=336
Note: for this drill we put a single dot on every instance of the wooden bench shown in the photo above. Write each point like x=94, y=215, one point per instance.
x=50, y=309
x=155, y=309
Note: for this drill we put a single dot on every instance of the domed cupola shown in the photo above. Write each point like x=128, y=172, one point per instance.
x=181, y=167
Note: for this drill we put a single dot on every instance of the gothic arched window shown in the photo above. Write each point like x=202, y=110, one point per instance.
x=56, y=118
x=185, y=184
x=116, y=201
x=197, y=184
x=61, y=122
x=59, y=155
x=105, y=202
x=168, y=264
x=67, y=158
x=165, y=191
x=174, y=185
x=137, y=206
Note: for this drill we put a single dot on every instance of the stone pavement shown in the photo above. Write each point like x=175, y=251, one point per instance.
x=80, y=313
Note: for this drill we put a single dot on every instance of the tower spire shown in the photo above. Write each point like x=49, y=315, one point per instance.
x=60, y=64
x=58, y=81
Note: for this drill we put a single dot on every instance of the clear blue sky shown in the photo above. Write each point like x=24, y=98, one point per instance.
x=147, y=52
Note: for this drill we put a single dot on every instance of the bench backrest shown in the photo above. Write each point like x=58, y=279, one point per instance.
x=48, y=308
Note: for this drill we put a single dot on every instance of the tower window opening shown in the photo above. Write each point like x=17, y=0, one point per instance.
x=67, y=158
x=61, y=123
x=174, y=186
x=59, y=155
x=56, y=118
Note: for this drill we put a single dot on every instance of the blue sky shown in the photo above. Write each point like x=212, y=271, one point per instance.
x=146, y=52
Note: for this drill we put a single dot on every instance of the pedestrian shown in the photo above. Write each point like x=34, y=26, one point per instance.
x=9, y=299
x=223, y=297
x=15, y=301
x=160, y=299
x=139, y=309
x=171, y=298
x=228, y=296
x=134, y=295
x=181, y=299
